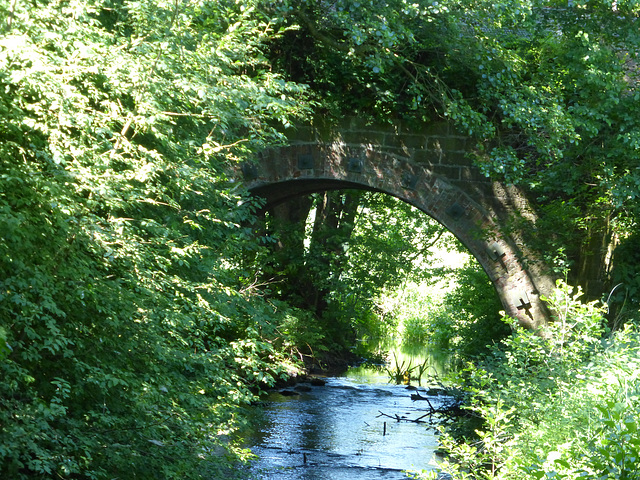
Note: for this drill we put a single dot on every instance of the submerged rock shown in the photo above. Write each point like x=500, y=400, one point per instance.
x=289, y=393
x=318, y=382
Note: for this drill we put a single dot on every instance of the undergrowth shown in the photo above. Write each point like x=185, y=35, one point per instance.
x=559, y=403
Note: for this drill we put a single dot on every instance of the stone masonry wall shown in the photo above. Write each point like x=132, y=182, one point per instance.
x=427, y=167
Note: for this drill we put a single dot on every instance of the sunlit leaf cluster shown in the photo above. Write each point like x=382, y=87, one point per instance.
x=128, y=336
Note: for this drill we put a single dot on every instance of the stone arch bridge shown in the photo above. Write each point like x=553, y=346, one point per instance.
x=428, y=168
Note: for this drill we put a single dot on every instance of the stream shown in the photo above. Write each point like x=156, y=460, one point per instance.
x=337, y=432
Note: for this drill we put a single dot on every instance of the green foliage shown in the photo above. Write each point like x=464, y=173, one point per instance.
x=392, y=250
x=417, y=308
x=360, y=55
x=561, y=403
x=415, y=331
x=470, y=318
x=299, y=334
x=338, y=253
x=599, y=420
x=401, y=371
x=127, y=341
x=132, y=325
x=546, y=90
x=624, y=298
x=455, y=311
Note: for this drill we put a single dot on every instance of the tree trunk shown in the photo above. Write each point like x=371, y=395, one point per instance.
x=303, y=263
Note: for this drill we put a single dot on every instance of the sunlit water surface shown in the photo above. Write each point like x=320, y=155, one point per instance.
x=337, y=431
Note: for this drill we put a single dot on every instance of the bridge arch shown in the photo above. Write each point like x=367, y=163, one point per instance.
x=475, y=217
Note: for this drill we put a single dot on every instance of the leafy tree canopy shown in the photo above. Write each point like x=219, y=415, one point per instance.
x=547, y=89
x=126, y=341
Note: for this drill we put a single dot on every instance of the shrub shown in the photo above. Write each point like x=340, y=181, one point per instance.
x=562, y=403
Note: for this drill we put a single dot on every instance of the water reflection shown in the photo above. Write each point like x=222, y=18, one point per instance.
x=336, y=432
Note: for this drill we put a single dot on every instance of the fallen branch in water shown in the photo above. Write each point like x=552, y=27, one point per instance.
x=398, y=418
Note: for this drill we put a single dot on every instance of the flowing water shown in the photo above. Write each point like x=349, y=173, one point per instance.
x=342, y=431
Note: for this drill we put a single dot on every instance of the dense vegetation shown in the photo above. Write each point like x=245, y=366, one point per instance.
x=130, y=330
x=561, y=405
x=549, y=92
x=142, y=303
x=341, y=252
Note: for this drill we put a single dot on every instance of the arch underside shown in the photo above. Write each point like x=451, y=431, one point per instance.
x=280, y=175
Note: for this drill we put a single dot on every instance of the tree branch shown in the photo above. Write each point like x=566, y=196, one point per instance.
x=327, y=40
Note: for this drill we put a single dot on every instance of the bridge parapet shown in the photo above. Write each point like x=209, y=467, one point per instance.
x=435, y=146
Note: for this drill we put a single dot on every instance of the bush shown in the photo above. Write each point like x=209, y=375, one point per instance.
x=561, y=403
x=129, y=335
x=468, y=321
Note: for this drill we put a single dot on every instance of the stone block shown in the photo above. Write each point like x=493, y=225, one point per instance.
x=425, y=157
x=436, y=129
x=451, y=143
x=405, y=142
x=457, y=158
x=449, y=172
x=374, y=139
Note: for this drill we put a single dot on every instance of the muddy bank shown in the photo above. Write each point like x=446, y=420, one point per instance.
x=333, y=364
